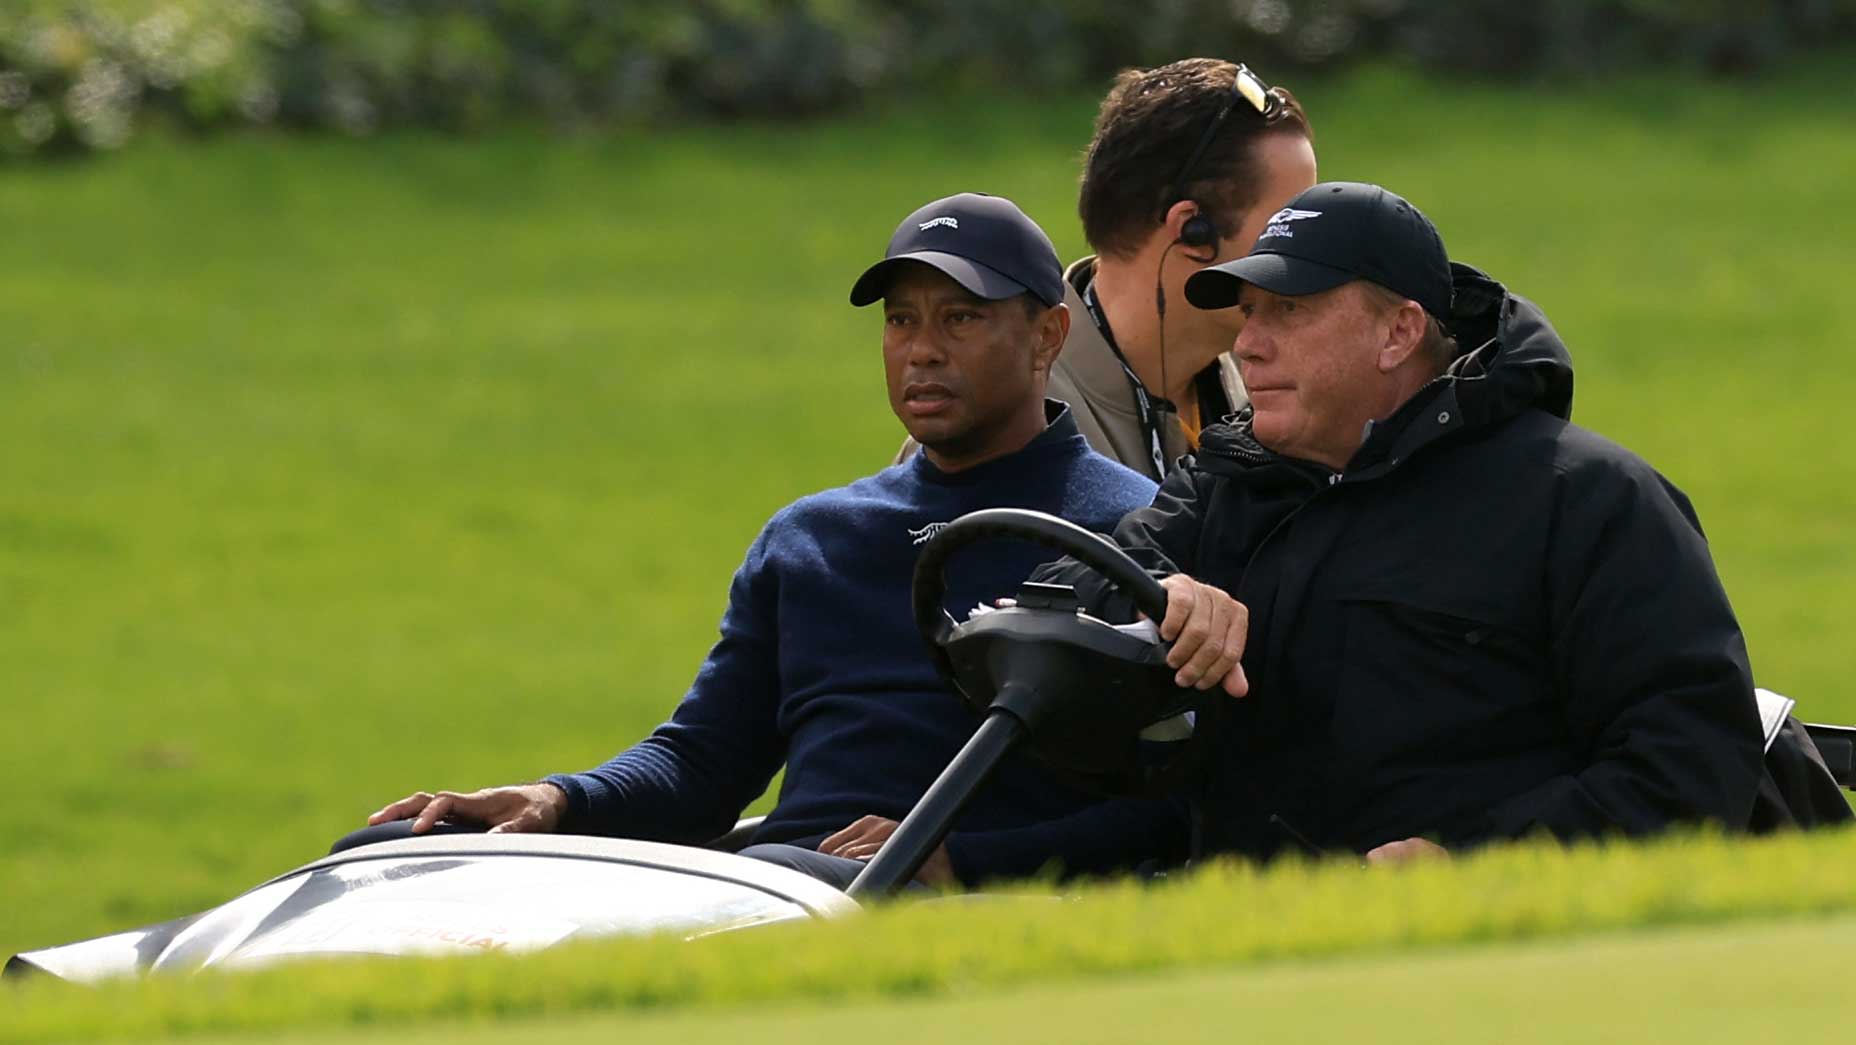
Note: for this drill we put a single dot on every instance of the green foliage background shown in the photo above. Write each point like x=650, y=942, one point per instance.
x=87, y=73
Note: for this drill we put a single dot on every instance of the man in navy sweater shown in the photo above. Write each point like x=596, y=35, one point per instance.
x=819, y=666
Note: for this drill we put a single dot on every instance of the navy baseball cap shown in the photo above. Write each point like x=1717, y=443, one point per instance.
x=1331, y=234
x=984, y=243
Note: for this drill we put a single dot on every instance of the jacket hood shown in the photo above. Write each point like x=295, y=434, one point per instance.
x=1512, y=360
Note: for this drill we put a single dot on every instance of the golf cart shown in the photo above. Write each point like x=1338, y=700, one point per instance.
x=1093, y=701
x=469, y=892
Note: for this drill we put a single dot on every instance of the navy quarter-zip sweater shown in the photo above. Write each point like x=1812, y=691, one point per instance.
x=819, y=666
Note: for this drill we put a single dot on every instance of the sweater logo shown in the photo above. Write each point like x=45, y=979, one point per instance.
x=1279, y=222
x=951, y=223
x=926, y=533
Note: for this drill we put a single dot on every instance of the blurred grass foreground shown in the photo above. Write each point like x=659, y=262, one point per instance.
x=1772, y=961
x=335, y=468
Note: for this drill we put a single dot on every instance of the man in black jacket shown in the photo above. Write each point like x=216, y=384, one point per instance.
x=1460, y=617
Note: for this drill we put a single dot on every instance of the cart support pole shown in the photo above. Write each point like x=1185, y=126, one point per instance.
x=897, y=862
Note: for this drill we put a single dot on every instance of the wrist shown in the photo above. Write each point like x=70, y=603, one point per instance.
x=554, y=797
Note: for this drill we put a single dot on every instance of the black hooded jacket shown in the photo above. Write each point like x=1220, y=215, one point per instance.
x=1492, y=622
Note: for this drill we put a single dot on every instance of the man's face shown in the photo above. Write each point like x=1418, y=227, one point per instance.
x=966, y=375
x=1286, y=163
x=1310, y=365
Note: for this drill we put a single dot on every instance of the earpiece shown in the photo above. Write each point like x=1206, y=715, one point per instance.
x=1198, y=231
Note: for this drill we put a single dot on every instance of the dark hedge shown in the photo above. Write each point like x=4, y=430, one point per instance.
x=87, y=74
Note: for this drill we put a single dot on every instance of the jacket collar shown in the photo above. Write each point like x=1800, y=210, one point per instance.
x=1059, y=437
x=1097, y=373
x=1088, y=357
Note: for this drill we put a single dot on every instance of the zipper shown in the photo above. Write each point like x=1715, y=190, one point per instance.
x=1239, y=452
x=1333, y=481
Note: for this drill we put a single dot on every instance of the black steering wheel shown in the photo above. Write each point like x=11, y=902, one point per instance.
x=1086, y=691
x=1091, y=549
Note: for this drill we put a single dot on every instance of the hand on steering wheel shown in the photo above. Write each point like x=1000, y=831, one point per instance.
x=1087, y=690
x=1208, y=629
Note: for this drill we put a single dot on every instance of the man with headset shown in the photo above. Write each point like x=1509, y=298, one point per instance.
x=1187, y=164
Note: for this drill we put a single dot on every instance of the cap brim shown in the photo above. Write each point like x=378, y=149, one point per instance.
x=1218, y=286
x=982, y=280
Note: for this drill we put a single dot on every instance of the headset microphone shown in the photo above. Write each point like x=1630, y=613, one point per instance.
x=1160, y=305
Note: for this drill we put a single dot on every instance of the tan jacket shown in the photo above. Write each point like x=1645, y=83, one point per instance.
x=1089, y=378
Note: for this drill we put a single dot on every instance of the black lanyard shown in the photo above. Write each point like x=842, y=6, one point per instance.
x=1147, y=405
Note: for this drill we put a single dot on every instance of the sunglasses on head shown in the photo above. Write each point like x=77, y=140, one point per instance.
x=1246, y=87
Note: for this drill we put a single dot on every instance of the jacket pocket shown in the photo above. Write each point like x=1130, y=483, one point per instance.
x=1418, y=685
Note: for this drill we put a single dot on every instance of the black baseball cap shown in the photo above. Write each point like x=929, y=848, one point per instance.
x=1331, y=234
x=984, y=243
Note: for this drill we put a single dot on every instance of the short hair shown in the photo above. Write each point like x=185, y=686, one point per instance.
x=1438, y=345
x=1149, y=125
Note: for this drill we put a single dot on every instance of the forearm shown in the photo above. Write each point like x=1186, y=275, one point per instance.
x=1672, y=760
x=1650, y=667
x=657, y=792
x=1160, y=539
x=690, y=779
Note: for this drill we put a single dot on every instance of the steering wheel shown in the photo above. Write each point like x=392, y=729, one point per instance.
x=1085, y=690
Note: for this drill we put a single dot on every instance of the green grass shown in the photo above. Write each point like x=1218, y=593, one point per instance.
x=1224, y=917
x=1761, y=983
x=334, y=469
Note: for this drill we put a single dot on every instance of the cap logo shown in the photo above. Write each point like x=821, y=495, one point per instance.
x=931, y=223
x=1279, y=222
